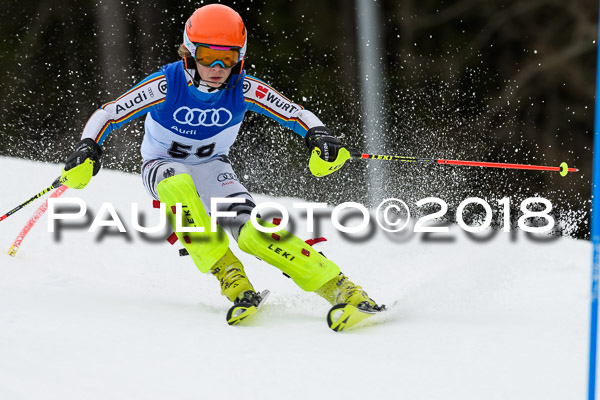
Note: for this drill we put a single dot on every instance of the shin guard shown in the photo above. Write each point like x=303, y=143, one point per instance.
x=307, y=267
x=205, y=248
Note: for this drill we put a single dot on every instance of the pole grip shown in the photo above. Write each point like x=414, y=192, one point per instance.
x=354, y=153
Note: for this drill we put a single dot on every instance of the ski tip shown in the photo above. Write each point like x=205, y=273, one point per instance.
x=343, y=316
x=337, y=318
x=240, y=312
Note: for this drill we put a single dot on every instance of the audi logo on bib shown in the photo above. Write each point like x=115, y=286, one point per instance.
x=197, y=117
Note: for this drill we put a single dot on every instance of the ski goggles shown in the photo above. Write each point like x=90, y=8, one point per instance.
x=209, y=55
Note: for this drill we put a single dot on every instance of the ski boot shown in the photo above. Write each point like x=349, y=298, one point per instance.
x=237, y=288
x=230, y=273
x=341, y=290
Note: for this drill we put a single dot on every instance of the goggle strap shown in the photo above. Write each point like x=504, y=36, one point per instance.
x=189, y=44
x=210, y=46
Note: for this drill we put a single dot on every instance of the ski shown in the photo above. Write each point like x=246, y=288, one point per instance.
x=344, y=315
x=242, y=310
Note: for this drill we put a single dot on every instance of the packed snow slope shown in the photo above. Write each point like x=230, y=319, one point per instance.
x=113, y=316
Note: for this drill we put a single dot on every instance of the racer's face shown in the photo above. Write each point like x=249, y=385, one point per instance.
x=213, y=76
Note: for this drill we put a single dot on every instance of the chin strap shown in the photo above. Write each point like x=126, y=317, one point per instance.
x=196, y=77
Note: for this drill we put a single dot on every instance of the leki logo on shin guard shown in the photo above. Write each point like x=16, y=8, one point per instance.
x=187, y=214
x=281, y=252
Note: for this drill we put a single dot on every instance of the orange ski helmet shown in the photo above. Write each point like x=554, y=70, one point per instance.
x=217, y=25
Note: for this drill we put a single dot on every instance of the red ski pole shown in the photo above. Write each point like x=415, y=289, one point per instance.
x=563, y=168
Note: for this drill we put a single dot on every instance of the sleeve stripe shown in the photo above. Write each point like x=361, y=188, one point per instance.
x=139, y=85
x=276, y=114
x=104, y=132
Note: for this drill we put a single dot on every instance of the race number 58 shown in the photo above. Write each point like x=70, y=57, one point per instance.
x=181, y=151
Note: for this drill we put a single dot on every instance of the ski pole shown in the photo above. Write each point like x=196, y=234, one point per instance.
x=54, y=185
x=563, y=168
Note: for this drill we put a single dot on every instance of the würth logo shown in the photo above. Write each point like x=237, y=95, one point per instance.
x=261, y=91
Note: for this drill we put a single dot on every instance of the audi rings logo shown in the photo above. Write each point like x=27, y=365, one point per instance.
x=226, y=176
x=197, y=117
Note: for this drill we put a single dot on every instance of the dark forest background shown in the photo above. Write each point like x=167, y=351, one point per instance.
x=504, y=81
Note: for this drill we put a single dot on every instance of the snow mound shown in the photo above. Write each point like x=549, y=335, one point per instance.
x=97, y=315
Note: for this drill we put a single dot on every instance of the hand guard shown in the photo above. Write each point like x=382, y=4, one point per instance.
x=82, y=164
x=321, y=138
x=327, y=153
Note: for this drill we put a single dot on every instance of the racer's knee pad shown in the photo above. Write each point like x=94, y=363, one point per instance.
x=205, y=248
x=306, y=266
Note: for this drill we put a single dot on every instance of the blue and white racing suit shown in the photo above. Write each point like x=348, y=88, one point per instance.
x=189, y=129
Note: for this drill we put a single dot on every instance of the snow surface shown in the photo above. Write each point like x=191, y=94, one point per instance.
x=117, y=317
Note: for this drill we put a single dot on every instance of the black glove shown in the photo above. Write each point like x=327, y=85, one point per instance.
x=87, y=148
x=320, y=137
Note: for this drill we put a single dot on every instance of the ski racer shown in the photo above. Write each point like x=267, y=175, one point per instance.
x=193, y=111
